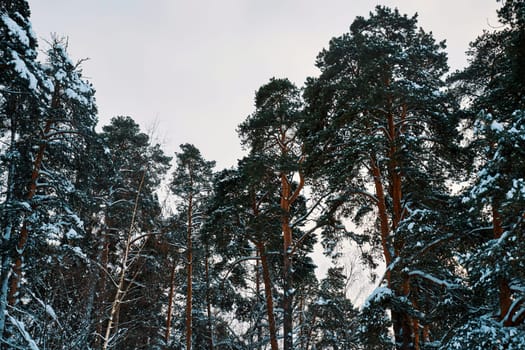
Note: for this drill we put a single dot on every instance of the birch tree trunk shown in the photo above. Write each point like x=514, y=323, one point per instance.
x=126, y=263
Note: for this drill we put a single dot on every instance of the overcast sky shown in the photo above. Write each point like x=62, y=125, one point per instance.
x=192, y=67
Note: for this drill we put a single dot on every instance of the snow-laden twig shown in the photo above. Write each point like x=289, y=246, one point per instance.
x=21, y=328
x=431, y=278
x=48, y=308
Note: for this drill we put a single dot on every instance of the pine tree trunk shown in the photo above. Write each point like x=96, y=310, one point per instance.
x=426, y=333
x=383, y=215
x=400, y=320
x=208, y=302
x=269, y=298
x=287, y=265
x=402, y=330
x=300, y=322
x=310, y=330
x=258, y=296
x=272, y=329
x=287, y=199
x=415, y=321
x=189, y=268
x=287, y=304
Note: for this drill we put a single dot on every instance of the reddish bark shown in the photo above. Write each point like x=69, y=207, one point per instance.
x=415, y=323
x=287, y=199
x=287, y=263
x=268, y=296
x=258, y=292
x=267, y=283
x=395, y=174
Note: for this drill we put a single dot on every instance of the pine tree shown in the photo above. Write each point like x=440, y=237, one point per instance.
x=68, y=132
x=23, y=88
x=493, y=91
x=52, y=116
x=381, y=139
x=191, y=183
x=271, y=133
x=245, y=208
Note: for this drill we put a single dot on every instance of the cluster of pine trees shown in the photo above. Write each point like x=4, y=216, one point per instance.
x=421, y=169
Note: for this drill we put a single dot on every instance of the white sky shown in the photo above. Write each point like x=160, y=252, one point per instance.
x=192, y=67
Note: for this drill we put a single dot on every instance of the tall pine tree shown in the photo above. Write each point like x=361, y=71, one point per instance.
x=379, y=131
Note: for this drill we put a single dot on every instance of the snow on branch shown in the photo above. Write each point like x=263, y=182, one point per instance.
x=431, y=278
x=21, y=328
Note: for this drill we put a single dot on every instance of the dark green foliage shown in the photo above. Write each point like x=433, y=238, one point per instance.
x=334, y=316
x=192, y=185
x=236, y=230
x=379, y=122
x=493, y=86
x=132, y=209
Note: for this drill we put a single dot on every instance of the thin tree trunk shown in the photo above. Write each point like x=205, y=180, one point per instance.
x=383, y=216
x=287, y=199
x=268, y=295
x=400, y=320
x=287, y=264
x=89, y=309
x=102, y=288
x=407, y=323
x=121, y=292
x=394, y=172
x=311, y=330
x=415, y=321
x=272, y=329
x=170, y=302
x=258, y=294
x=287, y=304
x=208, y=302
x=189, y=267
